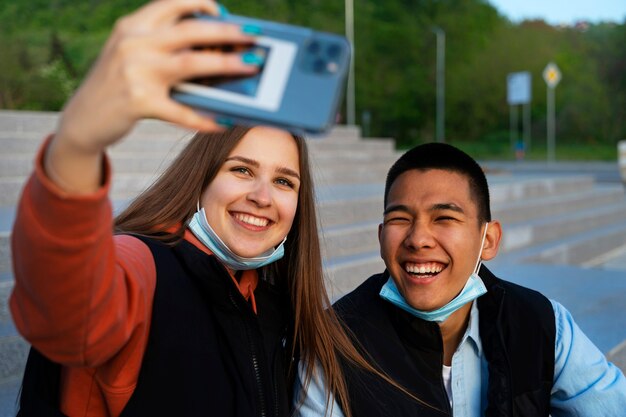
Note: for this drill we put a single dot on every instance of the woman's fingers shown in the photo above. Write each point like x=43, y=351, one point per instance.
x=199, y=32
x=173, y=112
x=165, y=13
x=192, y=64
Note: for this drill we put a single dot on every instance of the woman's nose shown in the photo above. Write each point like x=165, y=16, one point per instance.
x=260, y=194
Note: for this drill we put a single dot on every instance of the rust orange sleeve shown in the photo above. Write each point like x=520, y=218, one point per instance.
x=80, y=294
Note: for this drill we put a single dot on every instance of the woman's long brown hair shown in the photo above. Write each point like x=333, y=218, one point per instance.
x=163, y=210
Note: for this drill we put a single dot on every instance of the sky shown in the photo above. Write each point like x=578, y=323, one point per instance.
x=563, y=11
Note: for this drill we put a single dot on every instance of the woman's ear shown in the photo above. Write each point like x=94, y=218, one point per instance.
x=492, y=240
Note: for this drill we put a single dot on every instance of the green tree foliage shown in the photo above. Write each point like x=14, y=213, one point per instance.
x=47, y=47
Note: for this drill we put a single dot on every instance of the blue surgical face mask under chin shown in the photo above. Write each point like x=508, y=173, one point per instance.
x=474, y=288
x=200, y=227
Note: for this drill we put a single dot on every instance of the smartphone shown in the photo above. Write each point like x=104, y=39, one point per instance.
x=299, y=87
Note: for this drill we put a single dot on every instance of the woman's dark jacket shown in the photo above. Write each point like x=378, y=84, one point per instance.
x=208, y=353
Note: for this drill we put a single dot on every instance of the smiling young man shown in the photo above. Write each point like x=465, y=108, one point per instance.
x=458, y=338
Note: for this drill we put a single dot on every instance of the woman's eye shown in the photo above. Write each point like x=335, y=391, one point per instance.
x=285, y=182
x=241, y=170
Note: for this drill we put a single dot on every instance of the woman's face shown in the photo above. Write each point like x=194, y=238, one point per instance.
x=252, y=201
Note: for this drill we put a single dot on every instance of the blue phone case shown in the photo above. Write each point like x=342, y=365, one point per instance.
x=299, y=87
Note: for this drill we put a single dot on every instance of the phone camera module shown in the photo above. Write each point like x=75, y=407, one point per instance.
x=333, y=50
x=319, y=66
x=314, y=47
x=322, y=57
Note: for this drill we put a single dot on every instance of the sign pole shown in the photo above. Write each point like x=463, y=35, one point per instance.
x=550, y=115
x=527, y=137
x=513, y=122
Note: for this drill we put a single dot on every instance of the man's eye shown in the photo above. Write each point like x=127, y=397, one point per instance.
x=445, y=218
x=396, y=220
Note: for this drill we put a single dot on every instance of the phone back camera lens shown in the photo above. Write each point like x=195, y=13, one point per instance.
x=314, y=47
x=333, y=51
x=319, y=66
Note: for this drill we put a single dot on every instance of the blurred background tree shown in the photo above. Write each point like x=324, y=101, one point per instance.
x=47, y=47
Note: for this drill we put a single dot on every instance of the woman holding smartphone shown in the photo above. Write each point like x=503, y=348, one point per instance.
x=211, y=287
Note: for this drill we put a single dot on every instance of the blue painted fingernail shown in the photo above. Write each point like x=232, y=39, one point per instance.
x=225, y=122
x=223, y=11
x=251, y=29
x=251, y=58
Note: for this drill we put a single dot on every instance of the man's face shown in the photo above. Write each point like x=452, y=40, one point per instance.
x=430, y=238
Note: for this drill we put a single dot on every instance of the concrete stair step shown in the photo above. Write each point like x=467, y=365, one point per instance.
x=127, y=185
x=340, y=132
x=361, y=237
x=349, y=221
x=27, y=121
x=35, y=121
x=337, y=242
x=345, y=273
x=518, y=236
x=151, y=161
x=505, y=188
x=350, y=211
x=576, y=249
x=380, y=146
x=28, y=142
x=360, y=154
x=581, y=248
x=350, y=173
x=532, y=208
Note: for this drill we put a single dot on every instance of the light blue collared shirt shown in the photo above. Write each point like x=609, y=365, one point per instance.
x=585, y=383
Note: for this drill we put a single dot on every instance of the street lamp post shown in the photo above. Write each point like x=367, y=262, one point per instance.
x=441, y=86
x=350, y=100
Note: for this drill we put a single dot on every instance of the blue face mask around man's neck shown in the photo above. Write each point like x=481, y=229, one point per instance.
x=474, y=288
x=200, y=227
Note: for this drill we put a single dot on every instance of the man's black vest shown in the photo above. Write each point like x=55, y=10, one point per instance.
x=207, y=352
x=517, y=332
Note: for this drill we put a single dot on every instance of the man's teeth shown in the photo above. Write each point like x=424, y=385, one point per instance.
x=255, y=221
x=430, y=268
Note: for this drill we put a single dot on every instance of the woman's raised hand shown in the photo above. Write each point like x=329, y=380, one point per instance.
x=148, y=52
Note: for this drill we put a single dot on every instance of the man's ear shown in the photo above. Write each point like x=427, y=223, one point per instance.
x=380, y=243
x=492, y=240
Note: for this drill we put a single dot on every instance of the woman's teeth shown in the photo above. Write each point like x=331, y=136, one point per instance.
x=252, y=220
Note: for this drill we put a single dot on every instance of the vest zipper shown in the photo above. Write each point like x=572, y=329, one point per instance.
x=442, y=385
x=255, y=360
x=277, y=375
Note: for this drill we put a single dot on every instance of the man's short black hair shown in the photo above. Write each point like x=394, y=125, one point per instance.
x=448, y=158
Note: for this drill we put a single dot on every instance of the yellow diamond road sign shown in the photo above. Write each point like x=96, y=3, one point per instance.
x=552, y=75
